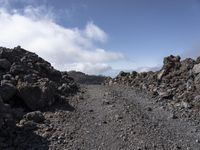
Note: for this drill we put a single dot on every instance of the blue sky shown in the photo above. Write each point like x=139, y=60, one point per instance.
x=135, y=34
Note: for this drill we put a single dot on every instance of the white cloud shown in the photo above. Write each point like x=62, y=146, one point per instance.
x=146, y=69
x=89, y=68
x=94, y=32
x=63, y=47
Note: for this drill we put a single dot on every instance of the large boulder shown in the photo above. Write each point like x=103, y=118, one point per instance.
x=37, y=95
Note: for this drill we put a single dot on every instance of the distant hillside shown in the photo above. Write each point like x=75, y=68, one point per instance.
x=83, y=78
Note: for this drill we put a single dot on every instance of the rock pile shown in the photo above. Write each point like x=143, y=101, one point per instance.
x=178, y=81
x=28, y=83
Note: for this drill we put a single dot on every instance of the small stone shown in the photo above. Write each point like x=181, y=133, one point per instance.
x=106, y=102
x=91, y=110
x=118, y=117
x=35, y=116
x=149, y=109
x=104, y=122
x=185, y=105
x=178, y=147
x=173, y=116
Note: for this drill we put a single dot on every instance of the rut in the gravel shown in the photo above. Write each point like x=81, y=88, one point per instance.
x=117, y=117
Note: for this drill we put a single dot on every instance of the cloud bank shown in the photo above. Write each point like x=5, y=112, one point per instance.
x=65, y=48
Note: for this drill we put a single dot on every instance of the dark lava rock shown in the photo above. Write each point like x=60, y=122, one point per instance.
x=4, y=64
x=28, y=83
x=35, y=116
x=30, y=79
x=178, y=80
x=37, y=95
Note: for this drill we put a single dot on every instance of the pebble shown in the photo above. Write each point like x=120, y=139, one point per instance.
x=106, y=102
x=173, y=116
x=149, y=109
x=118, y=117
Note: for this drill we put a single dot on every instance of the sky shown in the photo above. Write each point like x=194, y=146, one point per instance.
x=101, y=36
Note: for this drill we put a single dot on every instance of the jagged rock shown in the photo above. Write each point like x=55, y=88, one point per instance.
x=171, y=63
x=123, y=74
x=134, y=73
x=16, y=69
x=37, y=95
x=160, y=74
x=196, y=68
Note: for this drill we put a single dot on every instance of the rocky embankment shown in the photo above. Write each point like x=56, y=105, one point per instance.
x=28, y=85
x=177, y=83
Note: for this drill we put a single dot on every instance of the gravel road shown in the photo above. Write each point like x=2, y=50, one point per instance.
x=115, y=118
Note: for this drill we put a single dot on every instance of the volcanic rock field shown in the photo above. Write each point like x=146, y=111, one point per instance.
x=42, y=108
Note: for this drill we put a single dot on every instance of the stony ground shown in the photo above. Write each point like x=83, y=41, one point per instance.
x=112, y=118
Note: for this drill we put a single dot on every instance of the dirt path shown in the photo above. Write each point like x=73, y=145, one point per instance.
x=114, y=118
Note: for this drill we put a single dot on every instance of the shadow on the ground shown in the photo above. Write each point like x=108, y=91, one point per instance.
x=22, y=138
x=60, y=105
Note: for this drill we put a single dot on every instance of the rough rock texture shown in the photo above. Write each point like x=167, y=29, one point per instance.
x=177, y=81
x=27, y=83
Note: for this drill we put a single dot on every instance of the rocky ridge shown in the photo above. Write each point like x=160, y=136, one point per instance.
x=29, y=84
x=83, y=78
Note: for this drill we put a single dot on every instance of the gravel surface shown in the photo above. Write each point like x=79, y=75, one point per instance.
x=114, y=118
